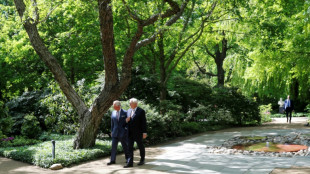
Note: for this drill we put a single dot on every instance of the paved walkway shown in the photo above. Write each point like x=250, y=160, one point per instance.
x=189, y=156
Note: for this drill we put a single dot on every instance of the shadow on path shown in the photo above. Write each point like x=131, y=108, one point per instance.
x=188, y=155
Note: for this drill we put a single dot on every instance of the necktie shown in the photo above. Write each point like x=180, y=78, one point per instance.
x=288, y=103
x=132, y=112
x=117, y=115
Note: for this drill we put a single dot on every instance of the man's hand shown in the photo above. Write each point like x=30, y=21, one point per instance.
x=144, y=135
x=127, y=119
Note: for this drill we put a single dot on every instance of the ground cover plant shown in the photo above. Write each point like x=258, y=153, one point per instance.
x=40, y=154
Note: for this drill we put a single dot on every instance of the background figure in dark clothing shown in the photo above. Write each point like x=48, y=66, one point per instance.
x=136, y=131
x=288, y=107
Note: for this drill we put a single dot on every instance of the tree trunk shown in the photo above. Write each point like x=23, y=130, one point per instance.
x=220, y=56
x=90, y=122
x=220, y=73
x=90, y=119
x=163, y=74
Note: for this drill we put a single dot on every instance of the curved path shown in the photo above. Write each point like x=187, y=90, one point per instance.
x=187, y=155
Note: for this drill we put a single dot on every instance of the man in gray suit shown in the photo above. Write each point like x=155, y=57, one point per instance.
x=118, y=130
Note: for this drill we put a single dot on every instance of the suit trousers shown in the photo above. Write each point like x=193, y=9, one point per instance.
x=115, y=141
x=140, y=146
x=288, y=112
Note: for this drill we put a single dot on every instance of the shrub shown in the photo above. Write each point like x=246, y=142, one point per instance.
x=2, y=136
x=211, y=115
x=18, y=141
x=265, y=112
x=192, y=128
x=243, y=110
x=229, y=102
x=143, y=86
x=6, y=122
x=60, y=116
x=105, y=125
x=188, y=93
x=307, y=108
x=25, y=104
x=31, y=127
x=41, y=154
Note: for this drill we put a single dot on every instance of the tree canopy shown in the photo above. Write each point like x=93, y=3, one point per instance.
x=260, y=47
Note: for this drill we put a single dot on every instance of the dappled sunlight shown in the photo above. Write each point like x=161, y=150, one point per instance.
x=190, y=156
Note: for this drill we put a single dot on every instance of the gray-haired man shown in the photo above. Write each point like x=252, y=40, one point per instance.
x=136, y=131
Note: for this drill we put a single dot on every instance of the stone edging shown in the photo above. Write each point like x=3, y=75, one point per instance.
x=293, y=138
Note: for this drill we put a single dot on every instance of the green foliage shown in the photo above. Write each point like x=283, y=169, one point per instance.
x=6, y=122
x=46, y=136
x=278, y=115
x=143, y=86
x=243, y=110
x=188, y=93
x=20, y=68
x=277, y=55
x=18, y=141
x=265, y=112
x=31, y=127
x=27, y=103
x=105, y=126
x=41, y=154
x=308, y=108
x=211, y=114
x=60, y=116
x=216, y=106
x=192, y=128
x=2, y=136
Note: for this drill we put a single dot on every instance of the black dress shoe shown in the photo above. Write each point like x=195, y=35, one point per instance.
x=140, y=163
x=110, y=163
x=128, y=165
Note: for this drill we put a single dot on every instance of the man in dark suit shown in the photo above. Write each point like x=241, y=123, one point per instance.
x=288, y=107
x=136, y=131
x=118, y=130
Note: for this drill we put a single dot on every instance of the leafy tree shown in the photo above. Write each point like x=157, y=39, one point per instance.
x=114, y=86
x=277, y=49
x=171, y=47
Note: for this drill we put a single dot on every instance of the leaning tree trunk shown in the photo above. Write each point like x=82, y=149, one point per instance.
x=90, y=119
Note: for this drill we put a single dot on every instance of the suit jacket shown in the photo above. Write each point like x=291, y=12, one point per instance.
x=118, y=127
x=137, y=124
x=286, y=104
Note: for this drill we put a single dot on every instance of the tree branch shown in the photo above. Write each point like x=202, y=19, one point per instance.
x=204, y=71
x=35, y=11
x=107, y=41
x=171, y=21
x=207, y=50
x=201, y=29
x=50, y=61
x=49, y=13
x=20, y=7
